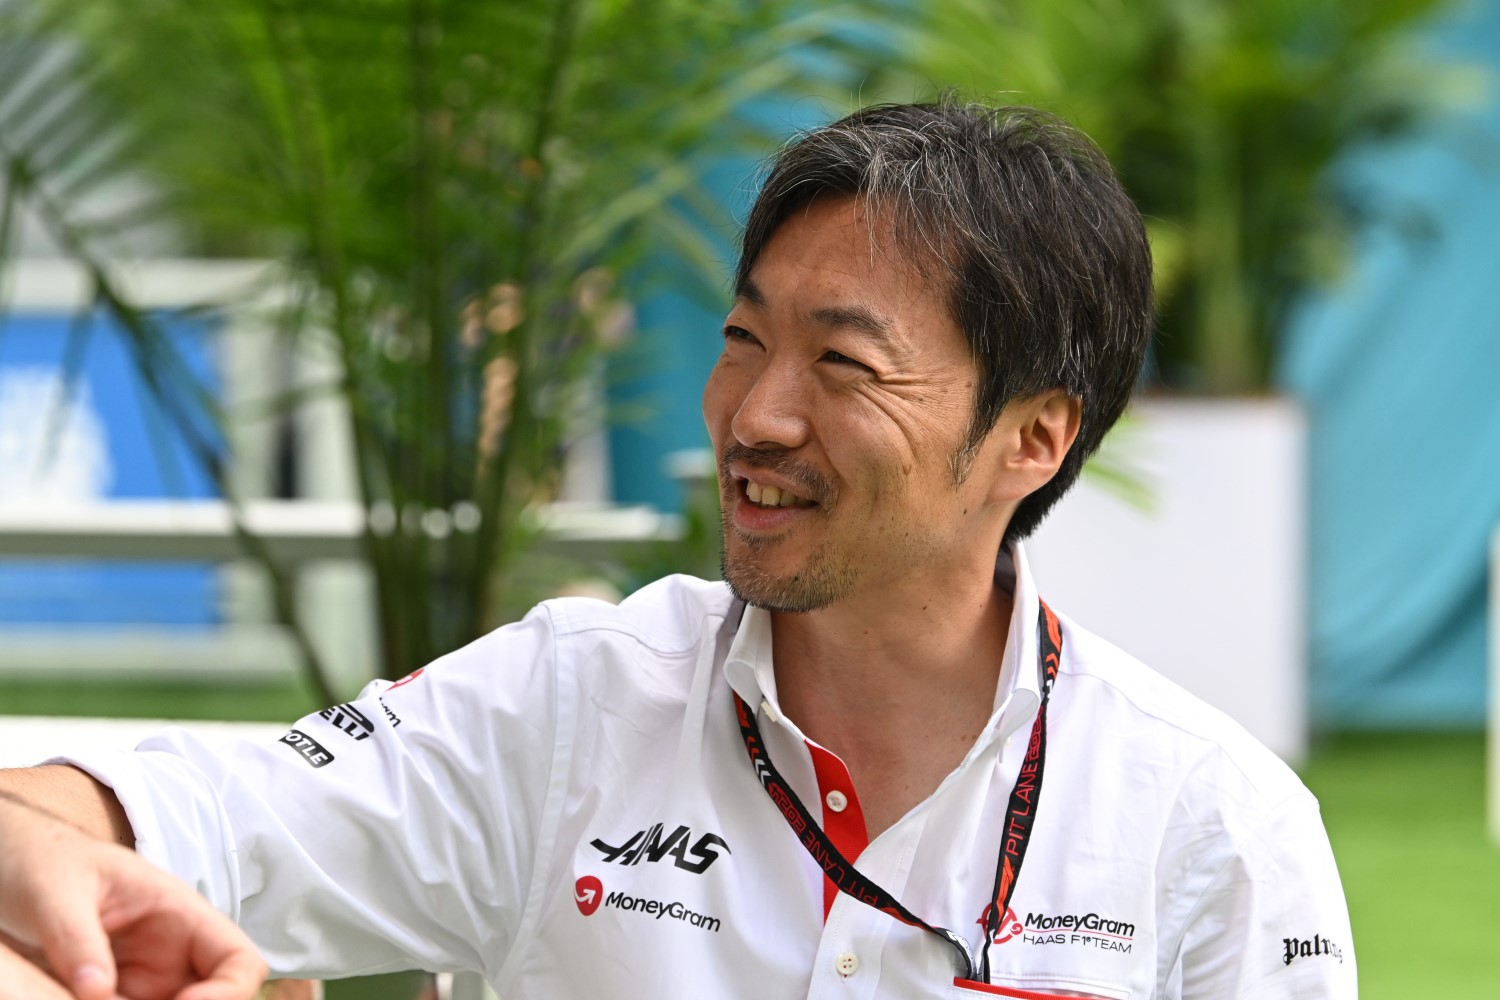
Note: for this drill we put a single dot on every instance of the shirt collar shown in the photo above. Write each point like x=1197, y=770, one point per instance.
x=1019, y=692
x=749, y=671
x=748, y=667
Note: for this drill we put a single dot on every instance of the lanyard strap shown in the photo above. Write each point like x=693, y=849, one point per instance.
x=1020, y=815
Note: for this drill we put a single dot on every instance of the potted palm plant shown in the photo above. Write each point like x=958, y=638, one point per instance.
x=450, y=197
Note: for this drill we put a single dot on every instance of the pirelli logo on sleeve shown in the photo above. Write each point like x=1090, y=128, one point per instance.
x=349, y=720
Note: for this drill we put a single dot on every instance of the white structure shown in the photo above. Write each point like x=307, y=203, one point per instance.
x=54, y=508
x=1494, y=722
x=1206, y=587
x=28, y=740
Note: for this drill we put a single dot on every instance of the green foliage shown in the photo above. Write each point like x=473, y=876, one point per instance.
x=698, y=548
x=1222, y=118
x=450, y=190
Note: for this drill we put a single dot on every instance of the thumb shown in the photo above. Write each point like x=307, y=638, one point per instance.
x=71, y=935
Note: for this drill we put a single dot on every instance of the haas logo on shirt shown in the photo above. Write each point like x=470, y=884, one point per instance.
x=650, y=845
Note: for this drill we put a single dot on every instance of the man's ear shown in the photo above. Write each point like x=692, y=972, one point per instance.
x=1036, y=434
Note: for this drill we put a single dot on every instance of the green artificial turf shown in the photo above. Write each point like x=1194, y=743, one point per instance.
x=1405, y=813
x=282, y=701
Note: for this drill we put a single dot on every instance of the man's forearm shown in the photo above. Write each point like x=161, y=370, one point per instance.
x=71, y=795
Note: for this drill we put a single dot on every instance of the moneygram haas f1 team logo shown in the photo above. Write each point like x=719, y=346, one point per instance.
x=1080, y=930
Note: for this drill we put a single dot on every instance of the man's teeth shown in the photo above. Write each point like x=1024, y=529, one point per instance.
x=773, y=496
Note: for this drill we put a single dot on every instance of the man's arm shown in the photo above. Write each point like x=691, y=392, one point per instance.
x=98, y=917
x=73, y=796
x=1272, y=921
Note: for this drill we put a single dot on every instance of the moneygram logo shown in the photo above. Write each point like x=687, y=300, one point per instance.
x=1088, y=930
x=589, y=895
x=1009, y=925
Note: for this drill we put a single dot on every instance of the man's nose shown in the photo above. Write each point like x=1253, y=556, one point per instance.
x=773, y=413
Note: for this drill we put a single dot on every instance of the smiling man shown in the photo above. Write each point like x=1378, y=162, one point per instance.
x=876, y=763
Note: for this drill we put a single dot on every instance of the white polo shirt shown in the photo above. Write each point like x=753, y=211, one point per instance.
x=566, y=806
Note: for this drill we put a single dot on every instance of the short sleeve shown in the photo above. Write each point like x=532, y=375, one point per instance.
x=1273, y=921
x=396, y=831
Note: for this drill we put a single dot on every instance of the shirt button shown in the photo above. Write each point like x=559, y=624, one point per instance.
x=836, y=801
x=847, y=964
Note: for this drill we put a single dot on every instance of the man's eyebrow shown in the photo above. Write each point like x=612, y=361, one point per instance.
x=751, y=293
x=855, y=317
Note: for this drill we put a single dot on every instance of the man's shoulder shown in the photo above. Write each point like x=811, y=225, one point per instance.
x=645, y=647
x=1153, y=714
x=667, y=616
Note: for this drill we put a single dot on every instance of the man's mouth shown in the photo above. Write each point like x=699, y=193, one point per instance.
x=773, y=496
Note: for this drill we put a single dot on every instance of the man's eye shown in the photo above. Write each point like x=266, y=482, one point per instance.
x=738, y=333
x=844, y=359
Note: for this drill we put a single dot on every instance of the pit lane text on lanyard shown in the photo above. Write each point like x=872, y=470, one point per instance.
x=1020, y=815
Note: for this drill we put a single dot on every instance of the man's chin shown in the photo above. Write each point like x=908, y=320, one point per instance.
x=787, y=593
x=778, y=603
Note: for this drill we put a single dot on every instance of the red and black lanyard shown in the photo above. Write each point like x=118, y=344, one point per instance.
x=1020, y=815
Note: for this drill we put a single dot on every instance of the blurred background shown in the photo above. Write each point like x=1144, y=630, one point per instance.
x=335, y=334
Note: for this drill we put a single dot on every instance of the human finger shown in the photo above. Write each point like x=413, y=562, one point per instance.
x=233, y=968
x=238, y=978
x=68, y=931
x=169, y=940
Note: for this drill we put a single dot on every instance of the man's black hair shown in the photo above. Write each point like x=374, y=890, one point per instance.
x=1019, y=218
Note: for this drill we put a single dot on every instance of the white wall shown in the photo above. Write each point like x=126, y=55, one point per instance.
x=28, y=740
x=1208, y=588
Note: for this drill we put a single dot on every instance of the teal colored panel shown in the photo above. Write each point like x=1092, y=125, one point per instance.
x=1400, y=370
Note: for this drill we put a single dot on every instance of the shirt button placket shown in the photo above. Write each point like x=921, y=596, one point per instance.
x=836, y=801
x=847, y=964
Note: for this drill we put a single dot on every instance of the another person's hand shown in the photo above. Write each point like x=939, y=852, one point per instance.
x=106, y=923
x=19, y=978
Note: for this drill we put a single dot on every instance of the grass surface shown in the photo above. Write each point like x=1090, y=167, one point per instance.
x=1405, y=813
x=249, y=702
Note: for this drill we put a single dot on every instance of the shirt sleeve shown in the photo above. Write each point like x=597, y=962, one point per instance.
x=397, y=831
x=1272, y=922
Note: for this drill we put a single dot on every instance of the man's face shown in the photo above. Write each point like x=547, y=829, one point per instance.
x=843, y=394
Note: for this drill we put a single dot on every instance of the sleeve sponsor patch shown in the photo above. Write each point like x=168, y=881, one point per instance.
x=311, y=750
x=1297, y=948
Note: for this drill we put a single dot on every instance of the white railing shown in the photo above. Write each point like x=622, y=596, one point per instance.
x=294, y=531
x=316, y=536
x=303, y=535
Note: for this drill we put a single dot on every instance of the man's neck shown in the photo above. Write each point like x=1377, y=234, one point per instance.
x=900, y=690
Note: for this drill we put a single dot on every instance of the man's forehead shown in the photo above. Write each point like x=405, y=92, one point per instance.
x=878, y=237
